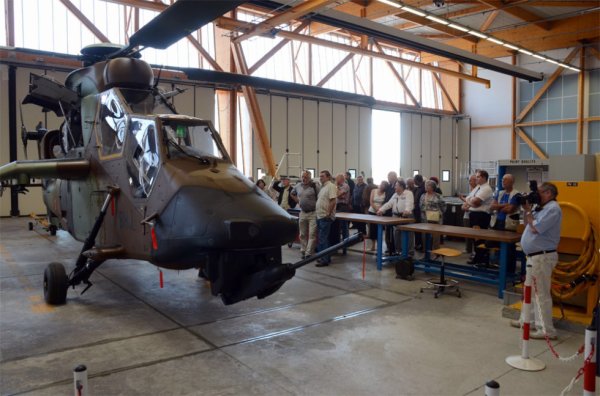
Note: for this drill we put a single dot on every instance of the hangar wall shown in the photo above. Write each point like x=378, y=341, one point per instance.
x=326, y=135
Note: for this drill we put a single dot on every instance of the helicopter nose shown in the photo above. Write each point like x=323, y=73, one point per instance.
x=215, y=219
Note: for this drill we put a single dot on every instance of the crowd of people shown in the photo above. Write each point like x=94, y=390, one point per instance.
x=319, y=202
x=422, y=200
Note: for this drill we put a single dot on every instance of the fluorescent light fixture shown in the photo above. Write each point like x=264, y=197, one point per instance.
x=574, y=69
x=496, y=41
x=539, y=57
x=563, y=65
x=511, y=46
x=458, y=27
x=438, y=20
x=552, y=61
x=414, y=11
x=392, y=3
x=525, y=51
x=478, y=34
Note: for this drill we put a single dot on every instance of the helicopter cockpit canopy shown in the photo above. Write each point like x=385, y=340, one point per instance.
x=192, y=137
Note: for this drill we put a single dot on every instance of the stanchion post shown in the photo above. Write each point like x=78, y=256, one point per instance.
x=524, y=362
x=589, y=367
x=80, y=381
x=492, y=388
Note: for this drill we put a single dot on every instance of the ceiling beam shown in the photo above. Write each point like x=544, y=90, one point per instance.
x=545, y=87
x=275, y=49
x=518, y=12
x=289, y=15
x=532, y=145
x=335, y=69
x=254, y=110
x=566, y=33
x=146, y=5
x=489, y=20
x=232, y=24
x=85, y=21
x=399, y=78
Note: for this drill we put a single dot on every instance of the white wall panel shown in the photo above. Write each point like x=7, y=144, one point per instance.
x=4, y=136
x=434, y=157
x=352, y=139
x=204, y=106
x=264, y=103
x=416, y=144
x=446, y=159
x=279, y=124
x=406, y=152
x=325, y=136
x=339, y=138
x=364, y=134
x=184, y=102
x=311, y=139
x=426, y=124
x=294, y=138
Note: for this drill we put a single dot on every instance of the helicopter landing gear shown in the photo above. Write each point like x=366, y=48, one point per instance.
x=56, y=284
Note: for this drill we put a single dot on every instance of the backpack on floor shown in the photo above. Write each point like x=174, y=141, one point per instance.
x=405, y=269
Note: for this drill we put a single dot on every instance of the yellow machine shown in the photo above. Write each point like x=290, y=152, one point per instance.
x=576, y=281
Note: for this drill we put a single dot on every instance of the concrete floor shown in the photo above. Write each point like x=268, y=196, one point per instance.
x=326, y=332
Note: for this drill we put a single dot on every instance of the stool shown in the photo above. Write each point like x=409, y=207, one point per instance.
x=439, y=286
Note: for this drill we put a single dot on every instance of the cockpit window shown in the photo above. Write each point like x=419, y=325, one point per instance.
x=196, y=140
x=111, y=124
x=144, y=161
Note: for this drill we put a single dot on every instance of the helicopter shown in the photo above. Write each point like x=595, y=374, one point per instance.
x=132, y=179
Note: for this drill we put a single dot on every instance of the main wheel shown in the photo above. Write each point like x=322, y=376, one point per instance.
x=52, y=229
x=30, y=226
x=55, y=284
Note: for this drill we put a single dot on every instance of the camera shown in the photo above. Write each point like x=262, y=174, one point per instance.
x=532, y=197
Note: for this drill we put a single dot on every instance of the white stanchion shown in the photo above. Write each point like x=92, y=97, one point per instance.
x=492, y=388
x=524, y=362
x=589, y=368
x=80, y=381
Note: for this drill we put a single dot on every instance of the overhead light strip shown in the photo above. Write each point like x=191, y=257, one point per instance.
x=476, y=33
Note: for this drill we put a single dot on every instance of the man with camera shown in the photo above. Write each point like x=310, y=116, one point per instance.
x=539, y=242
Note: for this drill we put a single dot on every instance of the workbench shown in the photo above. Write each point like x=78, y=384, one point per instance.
x=380, y=221
x=489, y=276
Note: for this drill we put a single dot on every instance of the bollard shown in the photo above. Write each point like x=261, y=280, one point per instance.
x=589, y=367
x=80, y=381
x=492, y=388
x=524, y=362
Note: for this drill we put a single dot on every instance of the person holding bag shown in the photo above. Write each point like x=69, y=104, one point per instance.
x=432, y=209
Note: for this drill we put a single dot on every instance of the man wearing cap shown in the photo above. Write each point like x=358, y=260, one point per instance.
x=285, y=200
x=539, y=242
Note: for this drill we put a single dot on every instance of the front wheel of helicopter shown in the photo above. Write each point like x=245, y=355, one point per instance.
x=56, y=284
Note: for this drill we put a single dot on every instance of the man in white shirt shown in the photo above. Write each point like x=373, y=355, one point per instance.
x=479, y=206
x=402, y=205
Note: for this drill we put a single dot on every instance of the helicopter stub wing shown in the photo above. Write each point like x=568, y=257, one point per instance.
x=180, y=19
x=23, y=171
x=50, y=94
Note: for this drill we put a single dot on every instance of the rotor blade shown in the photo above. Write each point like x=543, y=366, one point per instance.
x=179, y=20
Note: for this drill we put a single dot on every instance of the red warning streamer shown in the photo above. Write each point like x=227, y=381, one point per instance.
x=154, y=241
x=160, y=279
x=364, y=266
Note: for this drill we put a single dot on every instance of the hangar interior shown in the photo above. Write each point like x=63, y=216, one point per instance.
x=436, y=88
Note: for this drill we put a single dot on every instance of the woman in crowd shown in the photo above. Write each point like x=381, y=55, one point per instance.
x=432, y=208
x=376, y=201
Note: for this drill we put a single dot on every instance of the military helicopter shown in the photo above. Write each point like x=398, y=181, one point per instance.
x=130, y=178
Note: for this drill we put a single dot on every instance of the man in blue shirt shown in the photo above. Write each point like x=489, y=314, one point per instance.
x=539, y=242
